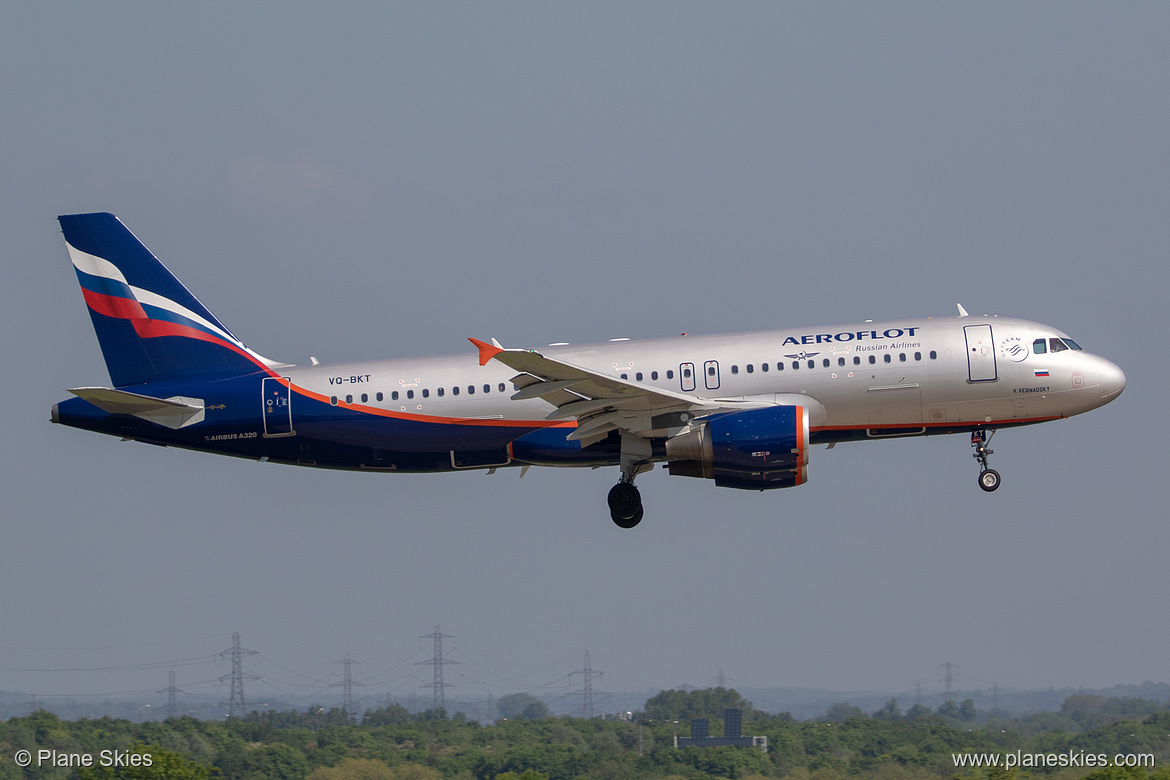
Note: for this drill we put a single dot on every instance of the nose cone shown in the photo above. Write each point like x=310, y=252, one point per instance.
x=1112, y=381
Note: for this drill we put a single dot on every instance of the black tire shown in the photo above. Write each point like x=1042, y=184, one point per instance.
x=624, y=501
x=628, y=522
x=989, y=480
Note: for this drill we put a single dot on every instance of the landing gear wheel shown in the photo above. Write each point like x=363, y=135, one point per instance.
x=989, y=480
x=625, y=504
x=628, y=522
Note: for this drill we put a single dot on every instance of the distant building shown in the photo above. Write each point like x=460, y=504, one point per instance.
x=732, y=733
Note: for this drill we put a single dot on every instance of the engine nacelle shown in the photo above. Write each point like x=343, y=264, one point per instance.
x=757, y=449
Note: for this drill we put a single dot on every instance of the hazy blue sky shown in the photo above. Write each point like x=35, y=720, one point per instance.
x=371, y=180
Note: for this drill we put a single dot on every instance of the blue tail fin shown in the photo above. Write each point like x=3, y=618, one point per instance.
x=148, y=324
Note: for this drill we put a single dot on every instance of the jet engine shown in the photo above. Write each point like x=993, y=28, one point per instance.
x=757, y=449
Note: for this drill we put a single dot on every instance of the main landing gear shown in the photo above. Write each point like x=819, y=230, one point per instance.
x=625, y=502
x=988, y=477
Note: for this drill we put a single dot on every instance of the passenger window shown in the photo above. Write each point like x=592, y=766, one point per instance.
x=333, y=400
x=349, y=399
x=625, y=376
x=487, y=388
x=795, y=365
x=638, y=376
x=886, y=357
x=653, y=374
x=501, y=387
x=1040, y=347
x=779, y=366
x=901, y=357
x=1057, y=345
x=365, y=398
x=686, y=373
x=670, y=374
x=841, y=361
x=857, y=360
x=918, y=356
x=426, y=392
x=410, y=394
x=394, y=396
x=471, y=389
x=812, y=364
x=455, y=390
x=710, y=370
x=764, y=367
x=826, y=363
x=750, y=368
x=379, y=396
x=734, y=370
x=933, y=355
x=872, y=360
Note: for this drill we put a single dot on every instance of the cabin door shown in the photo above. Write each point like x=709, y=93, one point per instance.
x=980, y=353
x=277, y=407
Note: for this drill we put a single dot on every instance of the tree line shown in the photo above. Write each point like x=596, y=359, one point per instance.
x=389, y=743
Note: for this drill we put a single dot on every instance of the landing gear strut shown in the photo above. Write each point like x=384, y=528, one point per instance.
x=625, y=502
x=988, y=477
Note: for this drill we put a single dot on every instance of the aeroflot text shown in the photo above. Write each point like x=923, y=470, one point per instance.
x=861, y=335
x=1071, y=758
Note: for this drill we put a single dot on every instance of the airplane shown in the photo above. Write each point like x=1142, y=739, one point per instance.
x=741, y=409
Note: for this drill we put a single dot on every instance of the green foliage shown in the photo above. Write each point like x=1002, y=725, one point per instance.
x=391, y=744
x=353, y=769
x=163, y=764
x=521, y=706
x=685, y=705
x=839, y=713
x=889, y=712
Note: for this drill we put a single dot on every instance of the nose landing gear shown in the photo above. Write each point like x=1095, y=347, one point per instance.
x=988, y=477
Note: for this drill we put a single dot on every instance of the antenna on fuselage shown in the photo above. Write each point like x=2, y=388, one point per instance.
x=962, y=311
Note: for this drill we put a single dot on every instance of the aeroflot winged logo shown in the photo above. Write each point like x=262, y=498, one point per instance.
x=849, y=335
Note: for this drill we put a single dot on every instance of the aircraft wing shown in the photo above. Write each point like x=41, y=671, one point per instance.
x=600, y=403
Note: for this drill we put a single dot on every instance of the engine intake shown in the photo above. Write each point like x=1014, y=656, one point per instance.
x=758, y=449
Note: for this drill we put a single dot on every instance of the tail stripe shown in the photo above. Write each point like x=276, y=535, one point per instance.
x=99, y=277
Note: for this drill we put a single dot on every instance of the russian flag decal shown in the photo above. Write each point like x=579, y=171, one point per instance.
x=1042, y=373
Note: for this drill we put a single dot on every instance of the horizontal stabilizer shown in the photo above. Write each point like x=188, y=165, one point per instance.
x=174, y=412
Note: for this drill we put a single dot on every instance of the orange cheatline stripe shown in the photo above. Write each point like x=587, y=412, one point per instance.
x=435, y=418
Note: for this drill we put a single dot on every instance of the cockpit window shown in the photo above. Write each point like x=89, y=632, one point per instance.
x=1040, y=347
x=1057, y=345
x=1072, y=344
